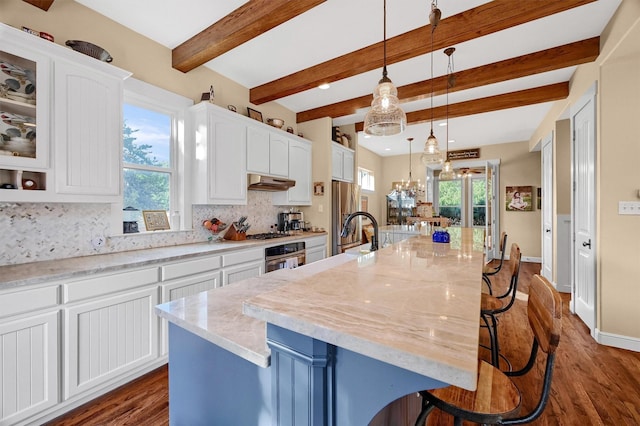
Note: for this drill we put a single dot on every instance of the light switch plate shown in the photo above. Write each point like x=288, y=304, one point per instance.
x=629, y=207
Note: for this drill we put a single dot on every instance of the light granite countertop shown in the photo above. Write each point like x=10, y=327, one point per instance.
x=414, y=305
x=25, y=274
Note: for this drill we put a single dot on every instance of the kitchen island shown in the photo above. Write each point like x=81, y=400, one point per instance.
x=330, y=343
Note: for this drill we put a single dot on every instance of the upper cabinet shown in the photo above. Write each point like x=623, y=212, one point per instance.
x=300, y=171
x=61, y=125
x=88, y=131
x=342, y=163
x=220, y=164
x=267, y=152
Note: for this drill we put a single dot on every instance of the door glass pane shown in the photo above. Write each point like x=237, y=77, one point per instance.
x=450, y=200
x=479, y=201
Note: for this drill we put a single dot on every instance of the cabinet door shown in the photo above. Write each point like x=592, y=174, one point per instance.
x=109, y=337
x=88, y=131
x=336, y=163
x=29, y=366
x=23, y=104
x=227, y=167
x=300, y=171
x=241, y=272
x=348, y=166
x=184, y=287
x=257, y=150
x=279, y=155
x=315, y=253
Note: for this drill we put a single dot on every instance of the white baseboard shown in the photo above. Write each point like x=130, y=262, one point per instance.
x=617, y=341
x=531, y=259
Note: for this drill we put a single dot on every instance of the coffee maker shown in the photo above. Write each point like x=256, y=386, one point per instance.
x=290, y=222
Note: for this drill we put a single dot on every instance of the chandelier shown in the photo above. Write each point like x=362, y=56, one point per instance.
x=447, y=172
x=385, y=118
x=410, y=188
x=432, y=154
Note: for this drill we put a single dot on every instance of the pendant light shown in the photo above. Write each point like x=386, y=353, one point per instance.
x=447, y=172
x=385, y=118
x=432, y=154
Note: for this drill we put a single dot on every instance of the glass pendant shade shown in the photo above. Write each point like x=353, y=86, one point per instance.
x=385, y=118
x=431, y=154
x=447, y=172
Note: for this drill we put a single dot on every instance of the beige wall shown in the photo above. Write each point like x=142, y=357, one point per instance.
x=149, y=61
x=617, y=174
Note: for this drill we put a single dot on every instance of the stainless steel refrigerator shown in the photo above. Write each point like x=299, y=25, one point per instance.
x=345, y=200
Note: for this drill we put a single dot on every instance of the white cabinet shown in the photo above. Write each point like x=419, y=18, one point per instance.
x=29, y=339
x=77, y=116
x=316, y=248
x=220, y=164
x=242, y=264
x=88, y=130
x=110, y=328
x=267, y=152
x=342, y=163
x=186, y=278
x=300, y=171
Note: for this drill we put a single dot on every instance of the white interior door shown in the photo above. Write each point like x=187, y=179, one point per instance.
x=547, y=207
x=583, y=123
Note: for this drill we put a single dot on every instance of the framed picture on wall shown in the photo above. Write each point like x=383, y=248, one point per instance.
x=519, y=198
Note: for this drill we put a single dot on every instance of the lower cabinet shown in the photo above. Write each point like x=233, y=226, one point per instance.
x=183, y=287
x=29, y=380
x=109, y=337
x=316, y=249
x=243, y=264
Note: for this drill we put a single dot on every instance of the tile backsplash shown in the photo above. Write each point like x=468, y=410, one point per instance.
x=32, y=232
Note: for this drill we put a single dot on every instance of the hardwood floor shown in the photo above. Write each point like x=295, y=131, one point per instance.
x=592, y=384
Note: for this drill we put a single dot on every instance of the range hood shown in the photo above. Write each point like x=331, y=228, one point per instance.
x=269, y=183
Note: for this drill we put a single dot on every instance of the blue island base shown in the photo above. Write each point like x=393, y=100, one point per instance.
x=309, y=382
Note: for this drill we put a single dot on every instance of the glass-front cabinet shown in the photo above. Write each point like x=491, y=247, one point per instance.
x=24, y=119
x=78, y=158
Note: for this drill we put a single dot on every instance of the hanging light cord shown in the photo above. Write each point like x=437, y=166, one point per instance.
x=384, y=39
x=410, y=140
x=432, y=30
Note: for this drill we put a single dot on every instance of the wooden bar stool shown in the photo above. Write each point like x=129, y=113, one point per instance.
x=491, y=306
x=497, y=400
x=492, y=270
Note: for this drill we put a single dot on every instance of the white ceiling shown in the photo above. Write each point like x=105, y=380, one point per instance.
x=337, y=27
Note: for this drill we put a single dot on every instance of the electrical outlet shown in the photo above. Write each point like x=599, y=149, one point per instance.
x=320, y=208
x=98, y=241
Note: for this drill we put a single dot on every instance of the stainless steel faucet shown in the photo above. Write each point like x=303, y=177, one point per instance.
x=347, y=221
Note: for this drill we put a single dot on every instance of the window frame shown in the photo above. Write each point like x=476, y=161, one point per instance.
x=371, y=176
x=145, y=95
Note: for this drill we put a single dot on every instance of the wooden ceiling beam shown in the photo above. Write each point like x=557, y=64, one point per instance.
x=568, y=55
x=243, y=24
x=550, y=93
x=485, y=19
x=41, y=4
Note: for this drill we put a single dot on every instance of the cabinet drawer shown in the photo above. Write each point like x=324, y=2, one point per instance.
x=28, y=300
x=190, y=267
x=243, y=256
x=315, y=242
x=106, y=284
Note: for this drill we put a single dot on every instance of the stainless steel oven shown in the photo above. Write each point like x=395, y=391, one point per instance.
x=284, y=256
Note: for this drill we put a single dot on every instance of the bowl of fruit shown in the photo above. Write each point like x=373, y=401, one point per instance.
x=214, y=225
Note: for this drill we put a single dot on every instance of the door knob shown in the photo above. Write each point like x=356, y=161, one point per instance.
x=587, y=243
x=547, y=230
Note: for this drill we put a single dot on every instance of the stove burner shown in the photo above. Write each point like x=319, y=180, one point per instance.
x=266, y=236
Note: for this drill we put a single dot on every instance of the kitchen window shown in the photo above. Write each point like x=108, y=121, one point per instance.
x=152, y=155
x=366, y=179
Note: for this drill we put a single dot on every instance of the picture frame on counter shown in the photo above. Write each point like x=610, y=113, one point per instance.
x=155, y=220
x=256, y=115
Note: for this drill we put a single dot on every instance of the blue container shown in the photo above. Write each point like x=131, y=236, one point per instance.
x=441, y=237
